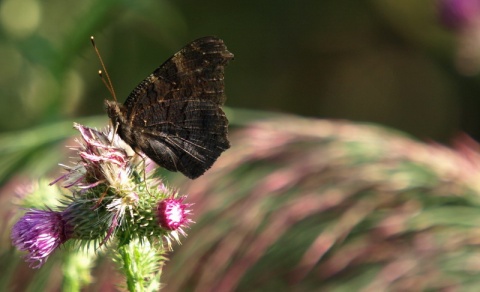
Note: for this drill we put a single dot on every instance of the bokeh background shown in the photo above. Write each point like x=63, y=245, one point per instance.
x=389, y=62
x=406, y=65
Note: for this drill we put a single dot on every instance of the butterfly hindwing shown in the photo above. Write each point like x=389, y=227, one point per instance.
x=189, y=142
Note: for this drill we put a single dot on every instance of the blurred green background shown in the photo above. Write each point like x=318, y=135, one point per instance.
x=384, y=61
x=387, y=62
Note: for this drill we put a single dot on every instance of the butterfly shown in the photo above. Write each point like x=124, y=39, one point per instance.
x=174, y=116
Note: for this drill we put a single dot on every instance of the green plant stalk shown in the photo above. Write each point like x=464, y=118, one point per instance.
x=141, y=265
x=128, y=269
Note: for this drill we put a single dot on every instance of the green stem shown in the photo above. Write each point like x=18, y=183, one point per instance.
x=128, y=268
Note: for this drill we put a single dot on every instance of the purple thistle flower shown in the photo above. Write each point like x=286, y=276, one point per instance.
x=39, y=232
x=457, y=14
x=172, y=214
x=463, y=18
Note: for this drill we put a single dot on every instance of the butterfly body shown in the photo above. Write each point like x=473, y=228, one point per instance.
x=174, y=116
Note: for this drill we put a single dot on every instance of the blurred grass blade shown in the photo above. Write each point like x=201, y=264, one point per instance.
x=30, y=150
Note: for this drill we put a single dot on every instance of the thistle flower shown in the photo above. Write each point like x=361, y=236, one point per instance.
x=113, y=197
x=103, y=158
x=172, y=214
x=457, y=14
x=463, y=18
x=40, y=232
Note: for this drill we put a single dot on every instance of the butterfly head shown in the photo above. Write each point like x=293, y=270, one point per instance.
x=114, y=111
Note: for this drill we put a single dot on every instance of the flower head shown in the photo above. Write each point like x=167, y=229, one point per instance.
x=102, y=159
x=39, y=232
x=172, y=214
x=112, y=197
x=456, y=14
x=463, y=18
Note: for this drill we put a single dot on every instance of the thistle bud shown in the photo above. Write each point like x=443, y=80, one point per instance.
x=172, y=213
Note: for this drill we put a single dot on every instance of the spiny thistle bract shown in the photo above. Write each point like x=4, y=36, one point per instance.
x=111, y=201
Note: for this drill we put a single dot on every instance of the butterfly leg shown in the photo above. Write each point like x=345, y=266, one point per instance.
x=101, y=199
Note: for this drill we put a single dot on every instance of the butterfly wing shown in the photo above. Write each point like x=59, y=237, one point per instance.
x=175, y=113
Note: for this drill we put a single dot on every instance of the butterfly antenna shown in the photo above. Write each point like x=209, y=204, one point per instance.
x=100, y=73
x=107, y=81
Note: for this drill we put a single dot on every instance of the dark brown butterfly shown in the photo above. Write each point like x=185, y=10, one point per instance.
x=174, y=116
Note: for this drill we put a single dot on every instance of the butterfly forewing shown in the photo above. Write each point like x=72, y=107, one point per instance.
x=174, y=115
